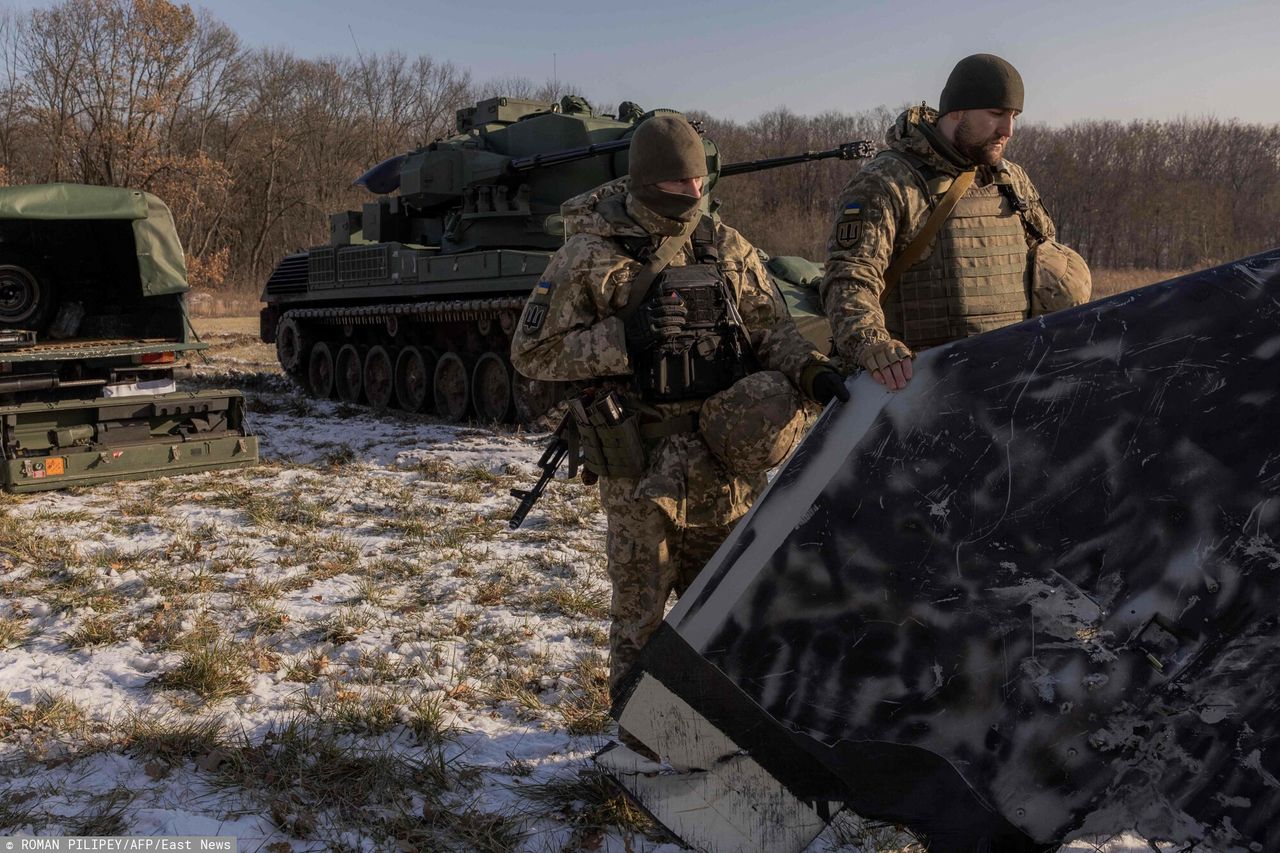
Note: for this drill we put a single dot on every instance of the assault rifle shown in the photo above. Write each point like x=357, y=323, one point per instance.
x=591, y=407
x=550, y=462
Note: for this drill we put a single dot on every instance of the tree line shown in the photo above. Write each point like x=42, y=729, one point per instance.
x=253, y=148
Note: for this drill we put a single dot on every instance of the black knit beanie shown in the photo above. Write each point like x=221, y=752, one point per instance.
x=982, y=82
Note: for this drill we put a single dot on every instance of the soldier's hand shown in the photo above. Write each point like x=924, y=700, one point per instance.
x=661, y=322
x=822, y=383
x=888, y=362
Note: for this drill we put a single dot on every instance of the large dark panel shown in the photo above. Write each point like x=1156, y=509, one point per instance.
x=1036, y=589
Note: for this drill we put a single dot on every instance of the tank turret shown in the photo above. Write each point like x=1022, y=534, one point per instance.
x=494, y=184
x=413, y=301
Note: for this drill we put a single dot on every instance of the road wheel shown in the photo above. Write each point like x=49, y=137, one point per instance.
x=320, y=371
x=451, y=387
x=348, y=371
x=491, y=388
x=378, y=378
x=415, y=369
x=292, y=346
x=28, y=298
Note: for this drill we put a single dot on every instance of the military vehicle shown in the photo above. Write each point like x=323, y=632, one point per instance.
x=93, y=321
x=412, y=303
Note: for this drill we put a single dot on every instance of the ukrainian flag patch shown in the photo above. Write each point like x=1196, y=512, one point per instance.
x=543, y=288
x=853, y=208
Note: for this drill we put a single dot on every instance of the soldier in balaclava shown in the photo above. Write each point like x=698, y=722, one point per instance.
x=693, y=362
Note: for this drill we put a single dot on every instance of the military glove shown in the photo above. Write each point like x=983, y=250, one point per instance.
x=821, y=383
x=661, y=322
x=888, y=362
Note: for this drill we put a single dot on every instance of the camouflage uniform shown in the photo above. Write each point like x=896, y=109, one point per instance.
x=972, y=280
x=666, y=523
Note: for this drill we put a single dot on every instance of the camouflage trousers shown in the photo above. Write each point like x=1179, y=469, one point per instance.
x=649, y=558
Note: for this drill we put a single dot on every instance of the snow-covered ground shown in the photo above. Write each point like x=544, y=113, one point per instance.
x=343, y=648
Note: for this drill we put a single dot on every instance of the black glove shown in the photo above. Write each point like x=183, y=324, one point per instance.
x=661, y=322
x=822, y=383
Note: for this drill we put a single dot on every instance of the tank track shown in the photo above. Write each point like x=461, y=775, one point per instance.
x=446, y=357
x=439, y=312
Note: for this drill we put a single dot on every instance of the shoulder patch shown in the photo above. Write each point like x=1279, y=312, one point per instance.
x=534, y=315
x=535, y=312
x=849, y=231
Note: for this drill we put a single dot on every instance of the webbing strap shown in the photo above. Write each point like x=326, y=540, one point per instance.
x=1021, y=206
x=915, y=249
x=670, y=426
x=666, y=251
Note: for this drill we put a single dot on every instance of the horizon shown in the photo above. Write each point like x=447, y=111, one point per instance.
x=1200, y=65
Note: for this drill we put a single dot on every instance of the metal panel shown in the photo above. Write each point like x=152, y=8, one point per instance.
x=321, y=268
x=363, y=264
x=55, y=445
x=1032, y=595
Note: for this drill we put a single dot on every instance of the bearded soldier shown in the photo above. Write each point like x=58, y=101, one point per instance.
x=695, y=363
x=939, y=237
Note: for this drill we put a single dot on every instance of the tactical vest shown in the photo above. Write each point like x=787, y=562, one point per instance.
x=720, y=354
x=975, y=278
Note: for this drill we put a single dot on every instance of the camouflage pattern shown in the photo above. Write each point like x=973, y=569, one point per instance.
x=650, y=557
x=753, y=425
x=571, y=331
x=879, y=212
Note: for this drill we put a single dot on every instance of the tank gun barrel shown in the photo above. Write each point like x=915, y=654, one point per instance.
x=567, y=155
x=847, y=151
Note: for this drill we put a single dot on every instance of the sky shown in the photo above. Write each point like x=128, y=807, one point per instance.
x=1122, y=60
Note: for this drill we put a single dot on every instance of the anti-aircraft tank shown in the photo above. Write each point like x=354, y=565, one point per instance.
x=412, y=303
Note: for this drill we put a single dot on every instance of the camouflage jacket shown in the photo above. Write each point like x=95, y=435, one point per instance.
x=581, y=337
x=895, y=205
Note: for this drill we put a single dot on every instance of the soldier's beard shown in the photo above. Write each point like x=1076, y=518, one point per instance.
x=985, y=150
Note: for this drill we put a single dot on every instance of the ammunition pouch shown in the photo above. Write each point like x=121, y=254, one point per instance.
x=716, y=356
x=608, y=437
x=614, y=443
x=616, y=450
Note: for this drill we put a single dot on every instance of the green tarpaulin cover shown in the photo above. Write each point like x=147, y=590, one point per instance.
x=797, y=278
x=161, y=265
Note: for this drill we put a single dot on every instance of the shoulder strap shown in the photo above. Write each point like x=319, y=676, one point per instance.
x=663, y=255
x=1020, y=205
x=915, y=249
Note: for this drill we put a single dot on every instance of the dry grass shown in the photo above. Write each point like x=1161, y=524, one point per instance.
x=585, y=706
x=172, y=738
x=51, y=718
x=105, y=814
x=1108, y=282
x=96, y=631
x=316, y=784
x=591, y=804
x=303, y=582
x=14, y=631
x=213, y=667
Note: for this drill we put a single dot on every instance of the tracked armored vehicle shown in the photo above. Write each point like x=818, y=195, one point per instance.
x=93, y=323
x=412, y=303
